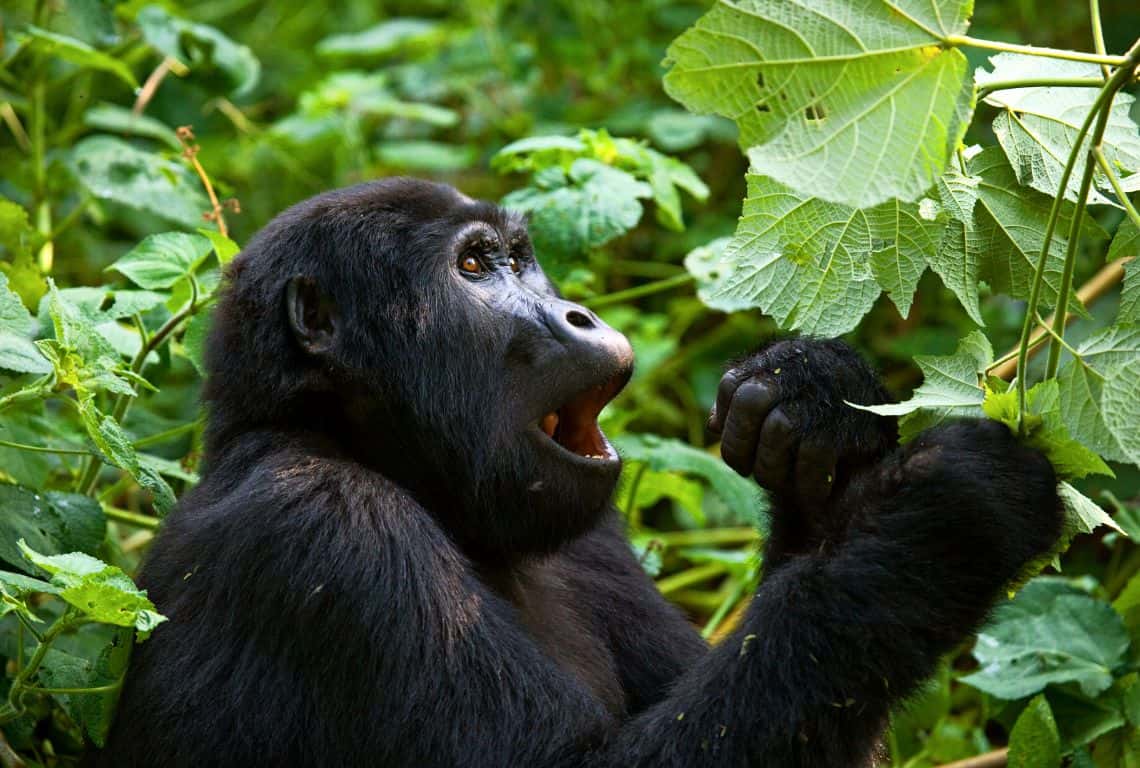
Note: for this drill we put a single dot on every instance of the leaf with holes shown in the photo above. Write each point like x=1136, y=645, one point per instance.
x=857, y=103
x=100, y=591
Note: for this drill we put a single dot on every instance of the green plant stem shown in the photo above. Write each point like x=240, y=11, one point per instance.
x=1047, y=240
x=109, y=688
x=1117, y=187
x=40, y=389
x=169, y=434
x=131, y=518
x=90, y=476
x=41, y=206
x=1098, y=35
x=43, y=449
x=1031, y=50
x=1040, y=82
x=70, y=219
x=722, y=610
x=639, y=292
x=689, y=577
x=632, y=514
x=707, y=536
x=1117, y=81
x=15, y=706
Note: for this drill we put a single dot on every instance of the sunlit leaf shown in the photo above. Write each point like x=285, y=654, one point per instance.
x=854, y=103
x=161, y=260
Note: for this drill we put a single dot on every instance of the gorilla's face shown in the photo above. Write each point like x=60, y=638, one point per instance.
x=465, y=377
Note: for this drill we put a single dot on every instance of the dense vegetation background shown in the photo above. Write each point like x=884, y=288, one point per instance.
x=557, y=107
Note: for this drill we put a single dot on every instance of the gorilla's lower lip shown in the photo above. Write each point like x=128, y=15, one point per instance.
x=573, y=426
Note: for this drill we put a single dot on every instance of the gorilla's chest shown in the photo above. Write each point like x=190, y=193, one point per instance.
x=557, y=617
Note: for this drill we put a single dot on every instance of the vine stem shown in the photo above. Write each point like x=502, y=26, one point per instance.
x=1032, y=50
x=1117, y=187
x=130, y=518
x=690, y=577
x=640, y=291
x=44, y=449
x=1103, y=102
x=15, y=706
x=1039, y=82
x=1098, y=34
x=1116, y=82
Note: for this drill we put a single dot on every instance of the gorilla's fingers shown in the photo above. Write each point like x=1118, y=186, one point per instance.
x=743, y=417
x=815, y=471
x=774, y=456
x=724, y=392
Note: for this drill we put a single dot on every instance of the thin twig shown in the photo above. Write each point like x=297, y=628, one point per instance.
x=190, y=152
x=150, y=87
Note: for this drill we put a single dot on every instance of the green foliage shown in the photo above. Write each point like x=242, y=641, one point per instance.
x=854, y=120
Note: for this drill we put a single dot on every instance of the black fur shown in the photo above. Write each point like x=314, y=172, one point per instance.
x=379, y=568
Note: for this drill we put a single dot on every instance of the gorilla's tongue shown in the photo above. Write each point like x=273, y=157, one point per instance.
x=574, y=426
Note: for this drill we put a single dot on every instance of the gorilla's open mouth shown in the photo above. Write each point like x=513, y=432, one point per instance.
x=574, y=426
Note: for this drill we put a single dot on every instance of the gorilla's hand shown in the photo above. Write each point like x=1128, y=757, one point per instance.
x=782, y=419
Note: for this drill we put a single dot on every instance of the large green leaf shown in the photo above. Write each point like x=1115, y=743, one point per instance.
x=62, y=669
x=200, y=47
x=1051, y=633
x=1099, y=396
x=818, y=266
x=1127, y=243
x=114, y=170
x=857, y=103
x=1036, y=127
x=387, y=38
x=51, y=521
x=995, y=234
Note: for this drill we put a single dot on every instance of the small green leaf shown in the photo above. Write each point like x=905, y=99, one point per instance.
x=1051, y=633
x=1086, y=513
x=1034, y=741
x=1127, y=243
x=949, y=383
x=161, y=260
x=17, y=352
x=75, y=51
x=817, y=90
x=100, y=591
x=431, y=156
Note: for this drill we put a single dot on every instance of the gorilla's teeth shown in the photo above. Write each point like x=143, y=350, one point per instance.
x=549, y=423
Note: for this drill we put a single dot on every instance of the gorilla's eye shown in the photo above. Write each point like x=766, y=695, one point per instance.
x=514, y=263
x=471, y=265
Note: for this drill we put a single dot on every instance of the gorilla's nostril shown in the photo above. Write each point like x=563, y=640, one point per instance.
x=579, y=319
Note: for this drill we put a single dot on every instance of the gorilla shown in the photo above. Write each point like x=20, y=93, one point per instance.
x=403, y=551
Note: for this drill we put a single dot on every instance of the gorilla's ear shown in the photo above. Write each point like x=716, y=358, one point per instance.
x=312, y=315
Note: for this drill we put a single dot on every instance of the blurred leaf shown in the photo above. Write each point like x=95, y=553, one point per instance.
x=1050, y=633
x=430, y=156
x=114, y=170
x=100, y=591
x=115, y=119
x=18, y=239
x=576, y=212
x=161, y=260
x=817, y=91
x=661, y=454
x=387, y=38
x=1036, y=127
x=74, y=51
x=51, y=521
x=200, y=47
x=1034, y=741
